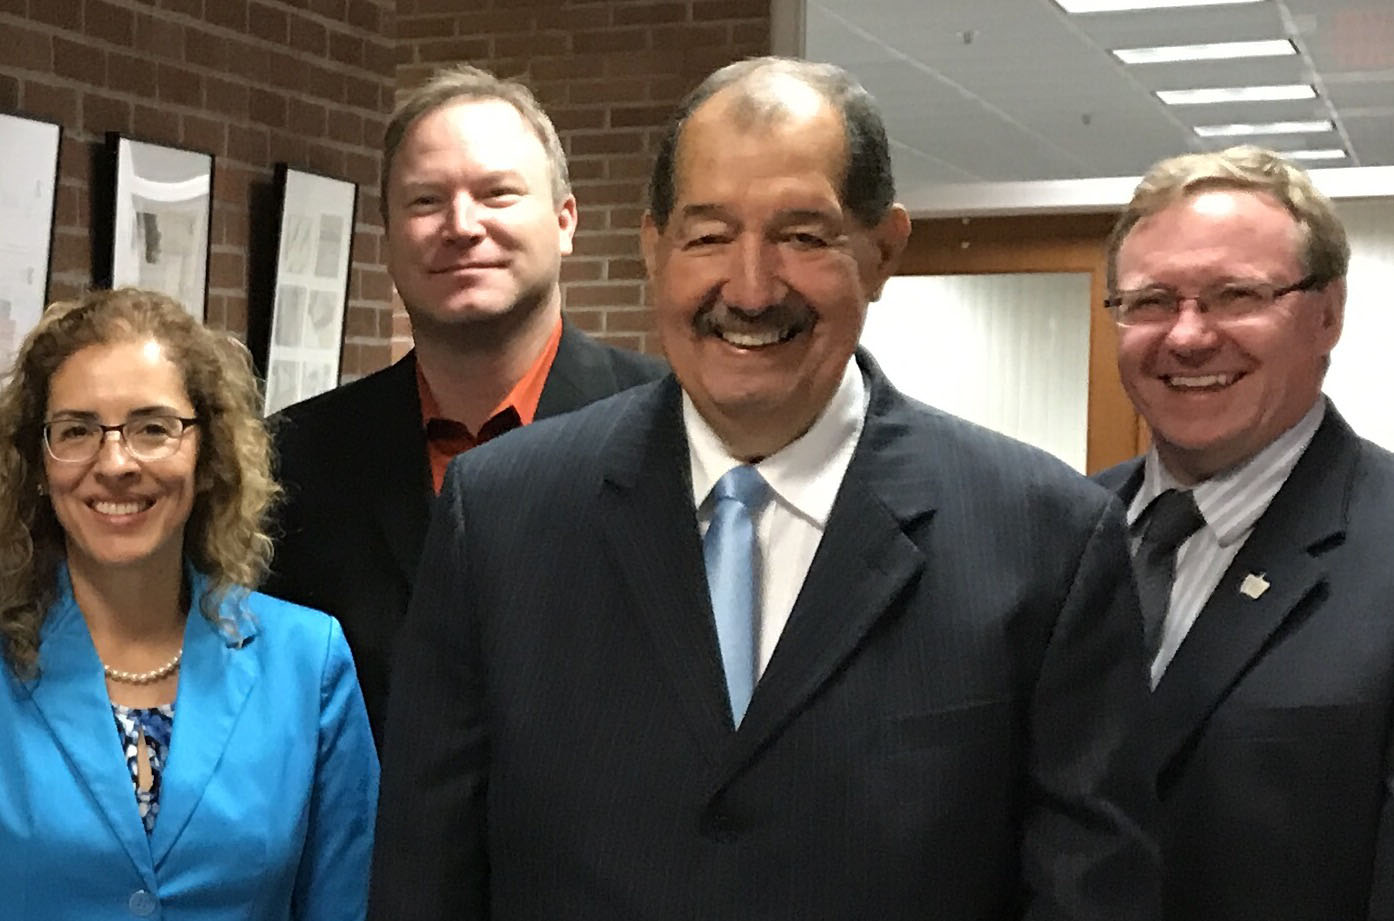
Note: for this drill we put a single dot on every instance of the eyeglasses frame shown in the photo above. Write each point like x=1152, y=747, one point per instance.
x=1310, y=282
x=120, y=429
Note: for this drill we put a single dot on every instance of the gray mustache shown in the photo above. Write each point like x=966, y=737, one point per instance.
x=717, y=316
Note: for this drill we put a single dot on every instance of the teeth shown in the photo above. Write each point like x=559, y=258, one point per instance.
x=753, y=340
x=1203, y=380
x=117, y=508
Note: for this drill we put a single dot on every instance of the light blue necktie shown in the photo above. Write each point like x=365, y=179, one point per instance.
x=732, y=556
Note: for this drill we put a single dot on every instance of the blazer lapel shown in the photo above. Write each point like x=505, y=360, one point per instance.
x=650, y=524
x=579, y=375
x=215, y=678
x=71, y=696
x=1308, y=513
x=864, y=560
x=400, y=483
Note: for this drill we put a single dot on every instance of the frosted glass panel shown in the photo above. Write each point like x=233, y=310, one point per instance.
x=1010, y=352
x=1359, y=381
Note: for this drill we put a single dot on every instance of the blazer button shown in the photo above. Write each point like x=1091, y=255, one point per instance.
x=141, y=903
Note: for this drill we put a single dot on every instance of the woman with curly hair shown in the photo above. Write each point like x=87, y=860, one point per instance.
x=173, y=743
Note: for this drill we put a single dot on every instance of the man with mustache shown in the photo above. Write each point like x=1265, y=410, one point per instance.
x=1262, y=528
x=479, y=213
x=793, y=646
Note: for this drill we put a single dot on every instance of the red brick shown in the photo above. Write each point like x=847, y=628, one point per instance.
x=70, y=249
x=364, y=16
x=608, y=90
x=625, y=269
x=361, y=168
x=308, y=118
x=583, y=168
x=267, y=108
x=235, y=315
x=605, y=244
x=159, y=37
x=308, y=35
x=361, y=93
x=251, y=63
x=192, y=8
x=376, y=285
x=636, y=167
x=451, y=50
x=131, y=73
x=730, y=9
x=639, y=320
x=9, y=92
x=206, y=134
x=286, y=70
x=434, y=26
x=571, y=18
x=26, y=49
x=267, y=22
x=627, y=218
x=323, y=83
x=101, y=114
x=756, y=34
x=690, y=35
x=567, y=118
x=640, y=116
x=79, y=62
x=225, y=270
x=623, y=341
x=232, y=183
x=329, y=9
x=633, y=14
x=205, y=49
x=533, y=45
x=63, y=15
x=380, y=57
x=590, y=321
x=607, y=143
x=226, y=97
x=641, y=63
x=582, y=269
x=230, y=14
x=107, y=22
x=156, y=124
x=610, y=193
x=601, y=295
x=602, y=40
x=288, y=147
x=345, y=126
x=345, y=48
x=568, y=68
x=180, y=85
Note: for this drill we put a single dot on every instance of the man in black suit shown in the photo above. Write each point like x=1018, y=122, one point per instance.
x=1271, y=610
x=938, y=623
x=479, y=214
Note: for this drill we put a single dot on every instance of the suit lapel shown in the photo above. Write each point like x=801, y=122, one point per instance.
x=1308, y=513
x=71, y=696
x=579, y=375
x=400, y=482
x=864, y=560
x=650, y=524
x=215, y=678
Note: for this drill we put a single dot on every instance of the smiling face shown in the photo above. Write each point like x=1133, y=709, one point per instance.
x=117, y=511
x=473, y=233
x=1217, y=393
x=761, y=277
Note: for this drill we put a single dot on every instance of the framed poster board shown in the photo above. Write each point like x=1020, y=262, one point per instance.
x=313, y=256
x=161, y=219
x=28, y=198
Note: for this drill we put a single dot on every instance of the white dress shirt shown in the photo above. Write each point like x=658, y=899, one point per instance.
x=804, y=477
x=1231, y=504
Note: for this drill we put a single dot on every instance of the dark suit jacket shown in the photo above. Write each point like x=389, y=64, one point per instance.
x=358, y=493
x=1273, y=720
x=943, y=731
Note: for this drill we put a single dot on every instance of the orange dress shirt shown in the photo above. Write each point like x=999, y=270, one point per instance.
x=446, y=438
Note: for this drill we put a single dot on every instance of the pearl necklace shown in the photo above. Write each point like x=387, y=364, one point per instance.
x=150, y=677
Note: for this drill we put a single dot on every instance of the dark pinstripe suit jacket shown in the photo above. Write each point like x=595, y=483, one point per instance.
x=946, y=729
x=1274, y=743
x=358, y=493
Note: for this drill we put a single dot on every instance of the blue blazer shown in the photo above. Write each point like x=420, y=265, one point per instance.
x=267, y=801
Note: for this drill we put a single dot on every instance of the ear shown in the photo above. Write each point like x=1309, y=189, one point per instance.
x=566, y=223
x=889, y=237
x=1333, y=312
x=649, y=235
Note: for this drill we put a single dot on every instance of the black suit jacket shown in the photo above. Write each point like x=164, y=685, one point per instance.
x=358, y=492
x=1273, y=720
x=943, y=730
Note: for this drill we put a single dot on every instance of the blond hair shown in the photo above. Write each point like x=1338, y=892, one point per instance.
x=226, y=536
x=1325, y=250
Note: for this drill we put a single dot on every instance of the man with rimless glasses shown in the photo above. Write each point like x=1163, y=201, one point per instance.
x=1262, y=530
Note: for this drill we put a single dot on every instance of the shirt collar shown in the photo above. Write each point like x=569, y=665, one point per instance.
x=1233, y=501
x=522, y=399
x=805, y=474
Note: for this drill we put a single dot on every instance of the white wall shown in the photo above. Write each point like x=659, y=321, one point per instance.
x=1010, y=352
x=1361, y=381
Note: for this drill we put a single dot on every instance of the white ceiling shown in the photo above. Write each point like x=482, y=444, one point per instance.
x=997, y=91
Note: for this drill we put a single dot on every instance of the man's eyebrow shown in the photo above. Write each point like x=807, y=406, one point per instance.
x=704, y=211
x=806, y=216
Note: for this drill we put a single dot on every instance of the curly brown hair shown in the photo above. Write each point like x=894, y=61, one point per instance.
x=226, y=536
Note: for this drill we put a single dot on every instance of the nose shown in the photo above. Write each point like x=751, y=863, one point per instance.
x=753, y=278
x=1192, y=330
x=113, y=457
x=462, y=219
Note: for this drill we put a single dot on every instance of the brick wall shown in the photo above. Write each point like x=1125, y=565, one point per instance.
x=251, y=81
x=609, y=72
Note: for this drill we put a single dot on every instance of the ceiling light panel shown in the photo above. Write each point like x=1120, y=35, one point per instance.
x=1212, y=95
x=1242, y=130
x=1215, y=51
x=1117, y=6
x=1332, y=153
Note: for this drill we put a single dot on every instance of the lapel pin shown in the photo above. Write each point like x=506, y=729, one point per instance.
x=1253, y=586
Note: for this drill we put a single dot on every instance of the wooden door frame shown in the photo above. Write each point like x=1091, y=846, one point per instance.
x=1044, y=243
